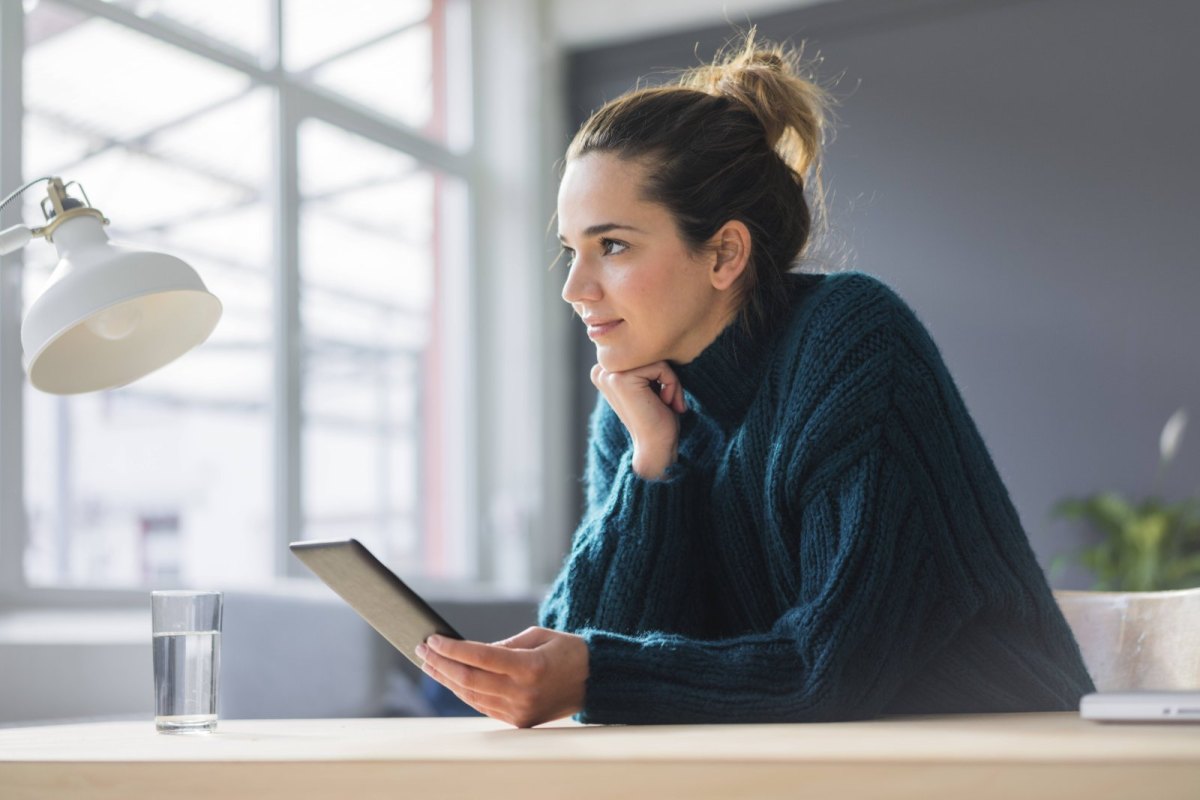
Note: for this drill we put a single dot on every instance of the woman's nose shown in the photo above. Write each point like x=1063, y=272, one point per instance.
x=579, y=286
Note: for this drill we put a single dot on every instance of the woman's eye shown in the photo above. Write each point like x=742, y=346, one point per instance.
x=608, y=244
x=569, y=254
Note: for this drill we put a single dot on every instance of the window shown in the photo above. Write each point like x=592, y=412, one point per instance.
x=369, y=265
x=324, y=206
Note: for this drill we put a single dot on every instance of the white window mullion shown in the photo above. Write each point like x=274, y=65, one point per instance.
x=287, y=342
x=523, y=394
x=12, y=448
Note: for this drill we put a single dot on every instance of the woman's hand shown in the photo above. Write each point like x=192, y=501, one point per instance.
x=648, y=400
x=537, y=676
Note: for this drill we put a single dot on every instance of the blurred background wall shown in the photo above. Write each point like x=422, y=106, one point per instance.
x=1024, y=174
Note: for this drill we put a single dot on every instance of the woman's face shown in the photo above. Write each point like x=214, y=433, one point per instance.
x=631, y=279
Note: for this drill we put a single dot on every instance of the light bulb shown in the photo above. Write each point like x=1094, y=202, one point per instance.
x=116, y=322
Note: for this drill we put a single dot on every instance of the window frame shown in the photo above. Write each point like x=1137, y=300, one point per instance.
x=543, y=483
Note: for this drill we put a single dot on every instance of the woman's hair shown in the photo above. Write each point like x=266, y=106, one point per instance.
x=735, y=139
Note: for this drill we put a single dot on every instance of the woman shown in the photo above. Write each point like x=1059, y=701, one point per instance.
x=790, y=514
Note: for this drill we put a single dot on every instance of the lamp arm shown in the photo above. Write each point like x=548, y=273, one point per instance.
x=13, y=196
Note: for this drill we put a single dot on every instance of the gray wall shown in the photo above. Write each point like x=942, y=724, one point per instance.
x=1024, y=174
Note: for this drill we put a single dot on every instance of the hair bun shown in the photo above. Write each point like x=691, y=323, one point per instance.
x=766, y=58
x=766, y=78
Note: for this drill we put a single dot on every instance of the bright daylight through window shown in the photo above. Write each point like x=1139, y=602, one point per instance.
x=175, y=478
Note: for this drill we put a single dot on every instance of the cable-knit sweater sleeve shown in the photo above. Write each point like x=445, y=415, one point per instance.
x=840, y=653
x=631, y=561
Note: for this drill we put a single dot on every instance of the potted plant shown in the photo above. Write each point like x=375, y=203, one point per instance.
x=1146, y=546
x=1138, y=629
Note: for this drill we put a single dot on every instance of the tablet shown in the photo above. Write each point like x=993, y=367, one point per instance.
x=1142, y=706
x=374, y=591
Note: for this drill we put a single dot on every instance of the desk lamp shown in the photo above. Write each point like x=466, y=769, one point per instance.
x=110, y=314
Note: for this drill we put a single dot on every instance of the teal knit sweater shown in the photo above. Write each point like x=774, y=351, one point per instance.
x=833, y=543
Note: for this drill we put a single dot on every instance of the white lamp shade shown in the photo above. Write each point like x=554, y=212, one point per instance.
x=111, y=314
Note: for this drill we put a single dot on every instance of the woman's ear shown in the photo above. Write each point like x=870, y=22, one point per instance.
x=732, y=247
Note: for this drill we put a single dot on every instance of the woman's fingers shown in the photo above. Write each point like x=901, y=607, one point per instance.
x=672, y=395
x=468, y=677
x=477, y=654
x=549, y=683
x=648, y=400
x=488, y=705
x=473, y=686
x=658, y=377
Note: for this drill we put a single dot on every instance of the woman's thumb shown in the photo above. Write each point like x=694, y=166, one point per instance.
x=528, y=638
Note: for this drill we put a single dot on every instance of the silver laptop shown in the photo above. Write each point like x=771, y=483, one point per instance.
x=1142, y=706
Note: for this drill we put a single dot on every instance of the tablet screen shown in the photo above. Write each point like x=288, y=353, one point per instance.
x=375, y=592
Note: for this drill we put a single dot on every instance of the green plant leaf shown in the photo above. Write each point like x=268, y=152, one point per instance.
x=1144, y=547
x=1182, y=573
x=1146, y=533
x=1069, y=508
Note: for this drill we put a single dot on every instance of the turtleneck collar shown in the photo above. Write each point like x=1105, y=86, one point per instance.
x=727, y=374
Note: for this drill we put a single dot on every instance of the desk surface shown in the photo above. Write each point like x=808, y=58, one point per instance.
x=961, y=755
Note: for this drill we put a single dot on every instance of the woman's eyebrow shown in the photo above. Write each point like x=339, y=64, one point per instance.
x=604, y=227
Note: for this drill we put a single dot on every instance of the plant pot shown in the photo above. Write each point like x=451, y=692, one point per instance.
x=1137, y=640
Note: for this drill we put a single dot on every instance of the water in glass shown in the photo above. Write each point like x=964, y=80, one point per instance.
x=185, y=680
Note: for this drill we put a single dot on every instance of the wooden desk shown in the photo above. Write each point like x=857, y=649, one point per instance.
x=993, y=756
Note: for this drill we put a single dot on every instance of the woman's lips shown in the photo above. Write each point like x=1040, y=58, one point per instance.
x=596, y=331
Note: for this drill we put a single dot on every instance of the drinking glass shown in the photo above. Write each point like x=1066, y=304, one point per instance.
x=187, y=659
